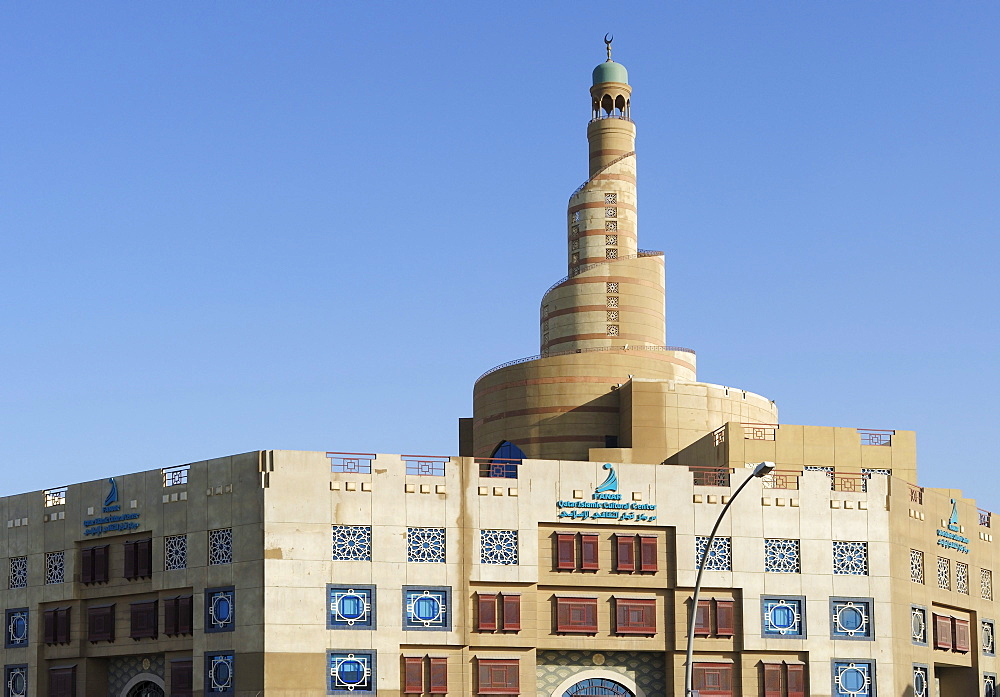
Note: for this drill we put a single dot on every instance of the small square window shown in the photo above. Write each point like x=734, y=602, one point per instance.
x=782, y=556
x=219, y=670
x=719, y=557
x=352, y=543
x=612, y=315
x=610, y=212
x=851, y=618
x=612, y=330
x=15, y=681
x=426, y=608
x=350, y=672
x=853, y=678
x=498, y=547
x=425, y=545
x=612, y=287
x=220, y=609
x=612, y=301
x=611, y=253
x=220, y=546
x=782, y=617
x=611, y=240
x=850, y=558
x=611, y=199
x=350, y=607
x=17, y=628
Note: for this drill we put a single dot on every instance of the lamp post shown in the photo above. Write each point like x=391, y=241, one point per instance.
x=759, y=471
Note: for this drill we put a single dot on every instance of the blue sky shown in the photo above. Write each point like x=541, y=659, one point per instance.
x=312, y=225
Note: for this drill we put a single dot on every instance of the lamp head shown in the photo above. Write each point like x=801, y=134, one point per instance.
x=762, y=469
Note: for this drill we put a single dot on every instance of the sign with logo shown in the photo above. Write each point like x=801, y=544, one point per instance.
x=116, y=522
x=951, y=538
x=606, y=504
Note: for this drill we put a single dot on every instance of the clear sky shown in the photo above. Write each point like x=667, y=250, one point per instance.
x=312, y=225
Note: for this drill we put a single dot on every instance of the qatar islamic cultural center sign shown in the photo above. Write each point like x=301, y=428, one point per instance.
x=606, y=504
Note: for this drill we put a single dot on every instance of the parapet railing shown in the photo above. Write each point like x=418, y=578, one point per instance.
x=549, y=354
x=875, y=436
x=175, y=476
x=985, y=518
x=587, y=267
x=756, y=431
x=497, y=467
x=630, y=153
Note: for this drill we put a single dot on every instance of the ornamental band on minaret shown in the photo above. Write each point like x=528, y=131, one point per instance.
x=604, y=385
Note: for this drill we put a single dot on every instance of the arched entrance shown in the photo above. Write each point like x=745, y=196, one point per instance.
x=146, y=689
x=599, y=687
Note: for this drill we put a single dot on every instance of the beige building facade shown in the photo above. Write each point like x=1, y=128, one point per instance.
x=555, y=556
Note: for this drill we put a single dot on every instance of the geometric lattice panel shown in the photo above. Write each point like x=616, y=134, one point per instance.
x=781, y=556
x=646, y=668
x=850, y=558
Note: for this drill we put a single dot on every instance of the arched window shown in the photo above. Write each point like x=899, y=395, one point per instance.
x=598, y=687
x=506, y=457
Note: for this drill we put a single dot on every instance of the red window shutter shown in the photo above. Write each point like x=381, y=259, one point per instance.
x=961, y=635
x=413, y=672
x=101, y=623
x=565, y=552
x=647, y=554
x=170, y=616
x=725, y=618
x=703, y=618
x=487, y=612
x=624, y=553
x=62, y=682
x=796, y=680
x=713, y=679
x=62, y=625
x=589, y=552
x=185, y=614
x=87, y=565
x=942, y=632
x=512, y=613
x=439, y=676
x=101, y=563
x=181, y=678
x=577, y=615
x=772, y=680
x=635, y=616
x=130, y=563
x=590, y=615
x=144, y=558
x=143, y=620
x=49, y=635
x=498, y=677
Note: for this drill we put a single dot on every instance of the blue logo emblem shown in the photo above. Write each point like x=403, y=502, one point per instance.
x=112, y=496
x=610, y=483
x=953, y=520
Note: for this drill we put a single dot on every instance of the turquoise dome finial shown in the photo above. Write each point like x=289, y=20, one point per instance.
x=609, y=71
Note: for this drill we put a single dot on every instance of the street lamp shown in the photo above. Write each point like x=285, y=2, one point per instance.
x=759, y=471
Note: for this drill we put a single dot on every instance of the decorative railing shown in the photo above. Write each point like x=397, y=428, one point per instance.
x=175, y=476
x=780, y=480
x=916, y=494
x=55, y=497
x=425, y=465
x=497, y=467
x=549, y=354
x=719, y=435
x=710, y=476
x=849, y=482
x=985, y=518
x=759, y=431
x=587, y=267
x=874, y=436
x=351, y=463
x=615, y=161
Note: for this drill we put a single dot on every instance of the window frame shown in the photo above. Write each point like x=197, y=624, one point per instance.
x=209, y=625
x=723, y=669
x=509, y=687
x=136, y=629
x=96, y=616
x=370, y=654
x=800, y=599
x=647, y=607
x=564, y=607
x=869, y=634
x=368, y=624
x=411, y=625
x=9, y=643
x=872, y=674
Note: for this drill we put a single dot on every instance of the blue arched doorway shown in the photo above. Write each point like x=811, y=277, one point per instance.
x=598, y=687
x=505, y=459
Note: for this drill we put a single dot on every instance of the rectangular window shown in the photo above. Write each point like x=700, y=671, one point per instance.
x=853, y=678
x=725, y=618
x=962, y=636
x=413, y=675
x=62, y=681
x=576, y=615
x=138, y=559
x=703, y=618
x=438, y=676
x=943, y=632
x=16, y=622
x=635, y=616
x=143, y=620
x=625, y=553
x=565, y=551
x=177, y=615
x=647, y=553
x=511, y=613
x=101, y=623
x=589, y=552
x=181, y=678
x=56, y=626
x=94, y=564
x=487, y=612
x=783, y=680
x=713, y=679
x=498, y=677
x=715, y=617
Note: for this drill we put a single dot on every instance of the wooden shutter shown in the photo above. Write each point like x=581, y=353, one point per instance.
x=703, y=618
x=170, y=616
x=647, y=553
x=498, y=677
x=101, y=623
x=624, y=553
x=487, y=612
x=772, y=680
x=101, y=563
x=589, y=552
x=635, y=616
x=576, y=615
x=87, y=565
x=725, y=618
x=49, y=633
x=181, y=678
x=185, y=614
x=942, y=632
x=143, y=620
x=130, y=563
x=439, y=676
x=512, y=613
x=961, y=636
x=413, y=676
x=713, y=679
x=144, y=558
x=62, y=682
x=796, y=680
x=565, y=551
x=62, y=625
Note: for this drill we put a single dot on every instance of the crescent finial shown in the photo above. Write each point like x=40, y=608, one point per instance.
x=608, y=38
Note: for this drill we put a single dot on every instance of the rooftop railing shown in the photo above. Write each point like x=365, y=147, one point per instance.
x=425, y=465
x=55, y=497
x=985, y=518
x=874, y=436
x=549, y=354
x=175, y=476
x=351, y=463
x=759, y=431
x=710, y=476
x=497, y=467
x=587, y=267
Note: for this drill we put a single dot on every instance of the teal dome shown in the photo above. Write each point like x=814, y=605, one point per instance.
x=609, y=71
